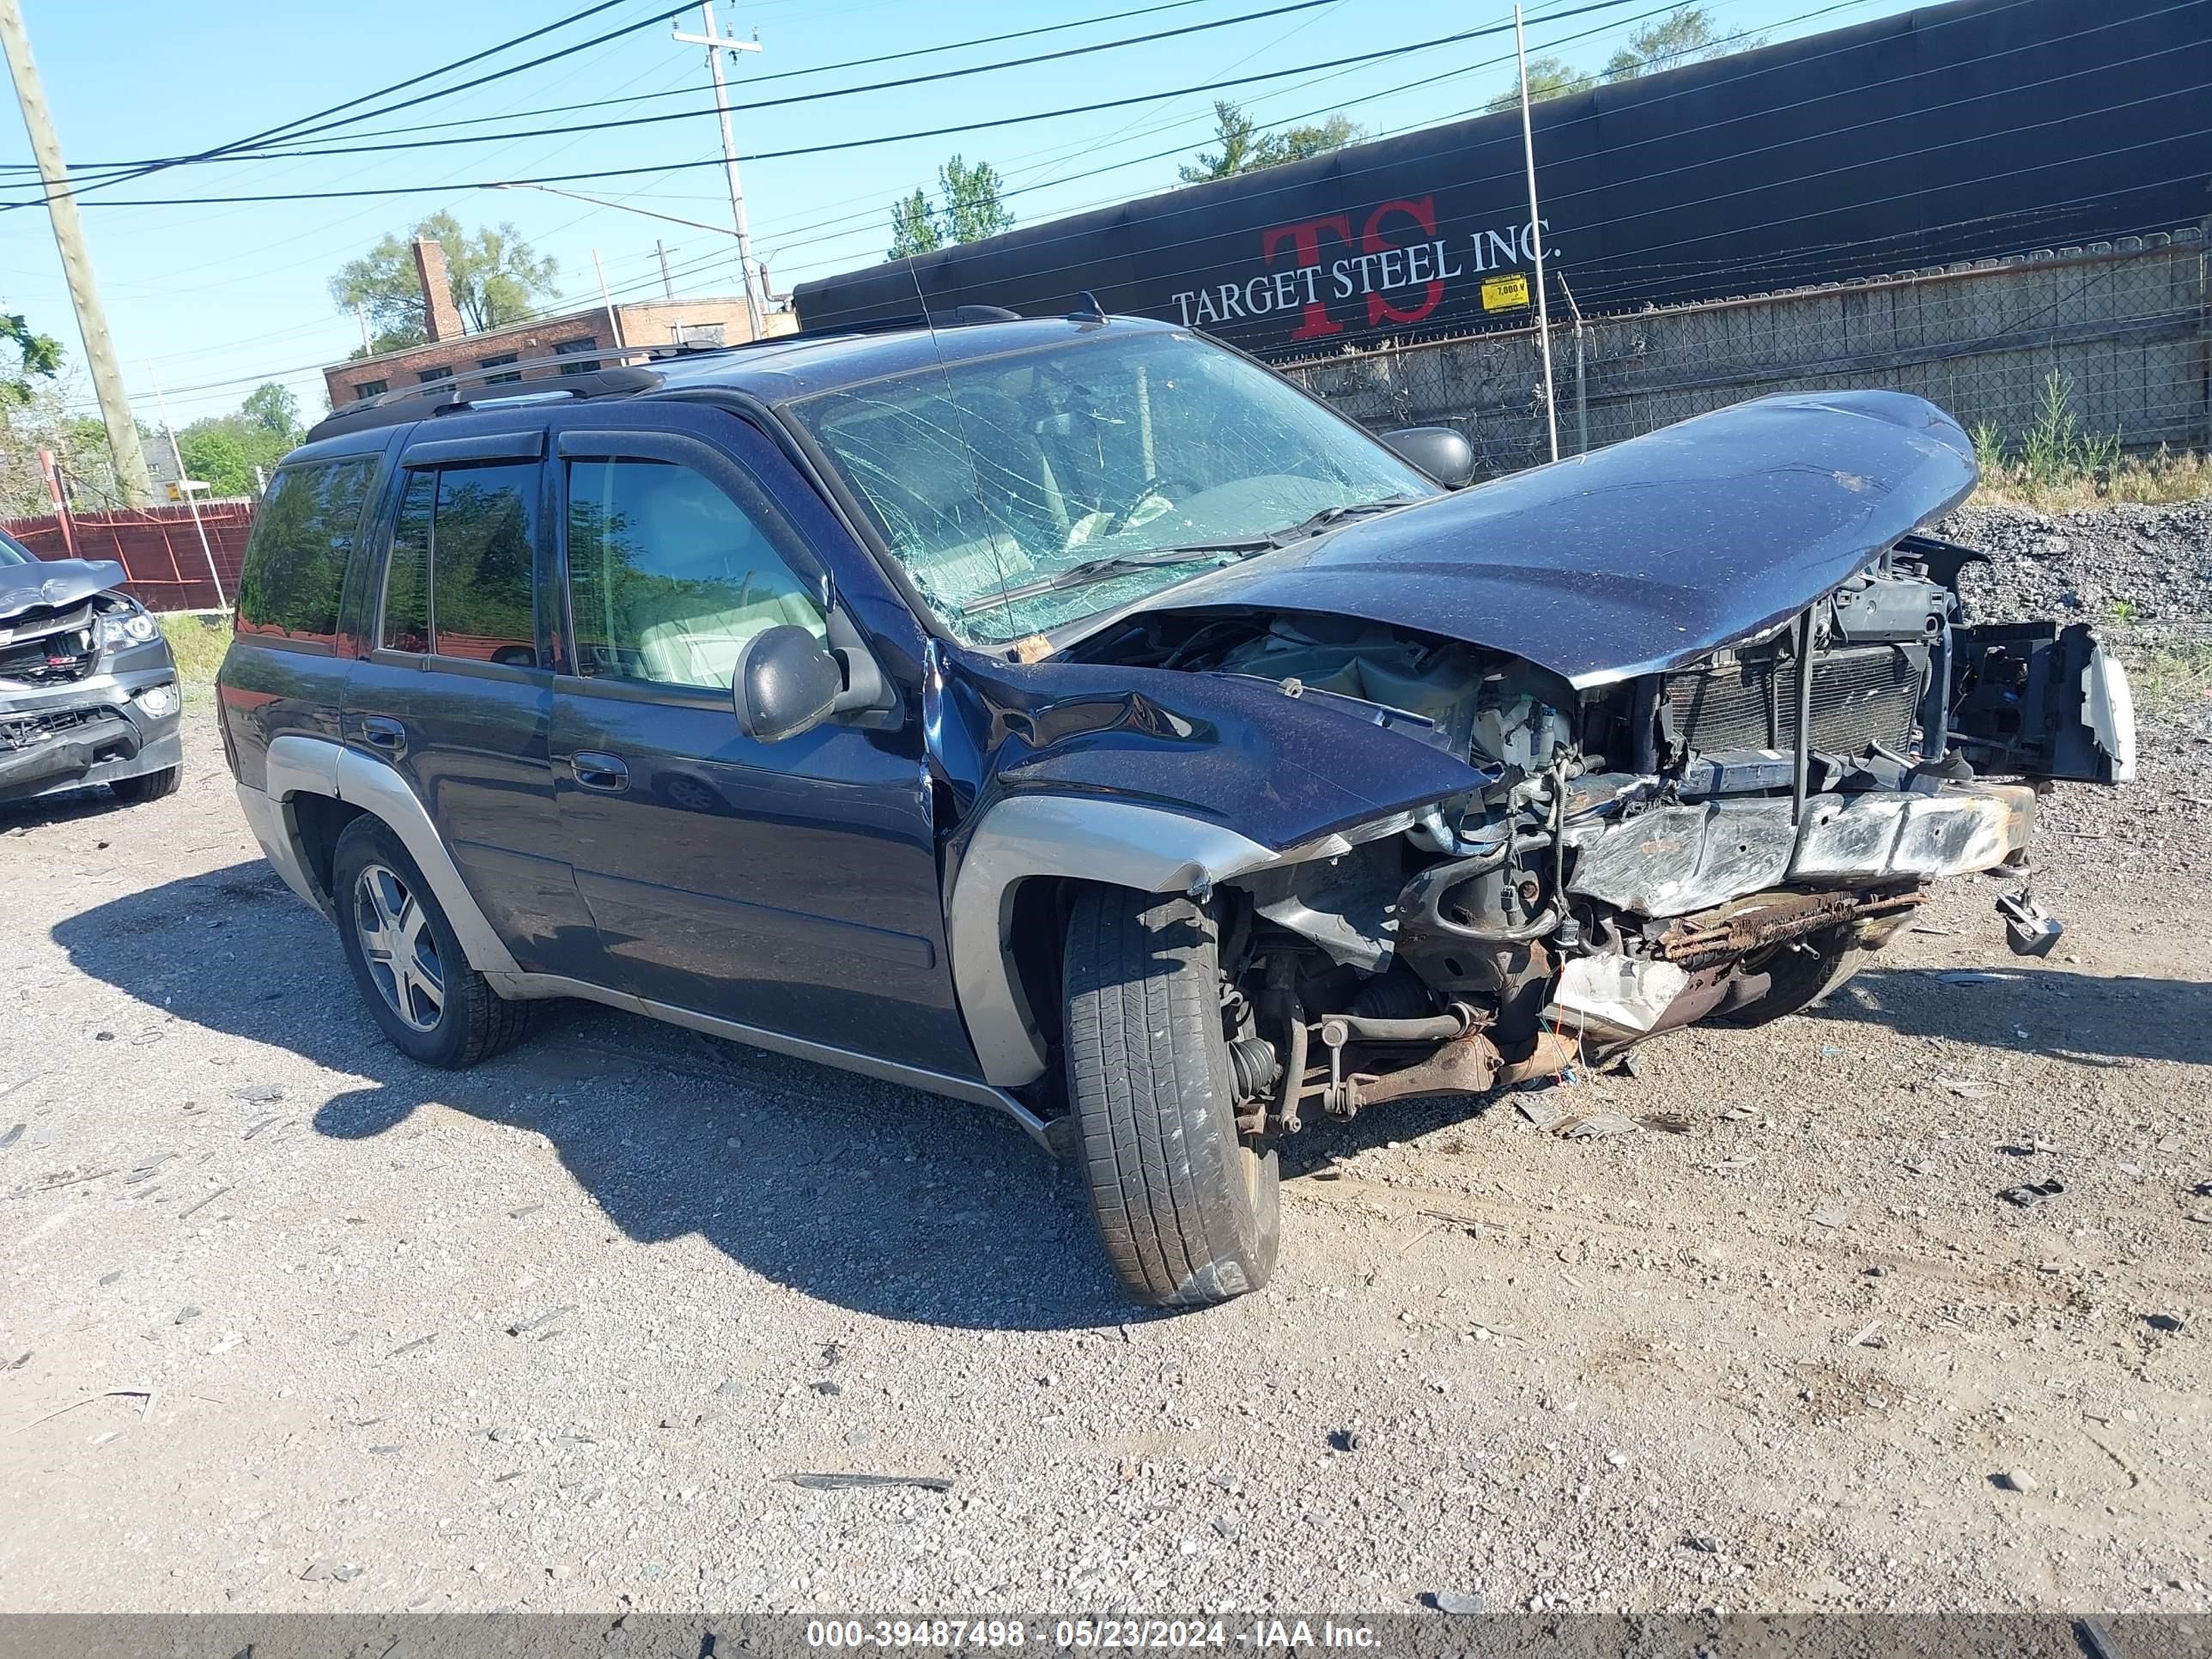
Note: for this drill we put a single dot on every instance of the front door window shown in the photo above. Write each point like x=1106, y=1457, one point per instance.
x=669, y=577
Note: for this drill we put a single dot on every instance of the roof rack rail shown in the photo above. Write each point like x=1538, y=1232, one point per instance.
x=500, y=383
x=437, y=396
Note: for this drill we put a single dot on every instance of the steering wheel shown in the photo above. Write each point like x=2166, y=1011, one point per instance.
x=1119, y=516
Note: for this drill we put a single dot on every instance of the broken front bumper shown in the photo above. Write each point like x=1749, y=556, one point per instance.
x=120, y=723
x=1673, y=860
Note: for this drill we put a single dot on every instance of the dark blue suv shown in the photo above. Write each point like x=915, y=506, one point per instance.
x=1072, y=716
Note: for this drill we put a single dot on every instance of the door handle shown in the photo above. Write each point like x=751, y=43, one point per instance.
x=381, y=731
x=598, y=771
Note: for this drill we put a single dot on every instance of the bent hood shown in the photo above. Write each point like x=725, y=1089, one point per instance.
x=53, y=583
x=1640, y=557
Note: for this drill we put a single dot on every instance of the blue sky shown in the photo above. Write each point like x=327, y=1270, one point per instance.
x=221, y=297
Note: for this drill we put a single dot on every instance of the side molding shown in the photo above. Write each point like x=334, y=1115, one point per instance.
x=1117, y=843
x=315, y=766
x=1054, y=1135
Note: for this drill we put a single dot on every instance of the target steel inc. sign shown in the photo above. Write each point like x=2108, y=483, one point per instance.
x=1331, y=276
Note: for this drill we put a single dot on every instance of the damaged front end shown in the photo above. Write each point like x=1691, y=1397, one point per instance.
x=89, y=690
x=1723, y=839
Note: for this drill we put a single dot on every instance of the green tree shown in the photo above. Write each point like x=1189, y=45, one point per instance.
x=913, y=227
x=275, y=409
x=217, y=454
x=1548, y=77
x=37, y=357
x=1237, y=152
x=970, y=210
x=1298, y=144
x=494, y=275
x=1681, y=37
x=1242, y=147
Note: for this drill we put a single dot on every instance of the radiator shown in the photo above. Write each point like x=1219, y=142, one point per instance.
x=1862, y=695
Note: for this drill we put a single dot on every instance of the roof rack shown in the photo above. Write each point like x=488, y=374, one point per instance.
x=498, y=383
x=440, y=396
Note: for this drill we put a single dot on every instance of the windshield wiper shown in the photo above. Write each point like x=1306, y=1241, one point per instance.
x=1111, y=565
x=1331, y=515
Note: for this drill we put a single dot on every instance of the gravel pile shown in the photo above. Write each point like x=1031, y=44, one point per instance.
x=2140, y=565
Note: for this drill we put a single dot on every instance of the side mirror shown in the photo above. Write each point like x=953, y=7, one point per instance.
x=1439, y=451
x=785, y=683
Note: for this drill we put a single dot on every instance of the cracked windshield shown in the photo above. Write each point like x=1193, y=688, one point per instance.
x=1031, y=490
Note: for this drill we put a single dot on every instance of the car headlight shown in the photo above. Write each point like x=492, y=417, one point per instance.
x=132, y=627
x=160, y=701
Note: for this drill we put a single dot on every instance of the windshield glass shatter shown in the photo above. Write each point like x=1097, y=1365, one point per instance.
x=1028, y=491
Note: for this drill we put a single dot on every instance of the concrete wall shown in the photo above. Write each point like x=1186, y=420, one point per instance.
x=2125, y=324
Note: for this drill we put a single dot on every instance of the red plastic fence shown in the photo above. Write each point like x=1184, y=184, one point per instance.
x=156, y=546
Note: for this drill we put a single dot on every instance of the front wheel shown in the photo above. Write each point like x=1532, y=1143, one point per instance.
x=148, y=786
x=1188, y=1212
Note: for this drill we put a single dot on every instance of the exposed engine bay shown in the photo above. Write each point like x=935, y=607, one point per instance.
x=1725, y=839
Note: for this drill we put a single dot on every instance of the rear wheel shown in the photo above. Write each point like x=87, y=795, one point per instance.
x=1188, y=1212
x=148, y=786
x=407, y=960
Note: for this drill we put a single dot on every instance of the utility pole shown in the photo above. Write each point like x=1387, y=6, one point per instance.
x=76, y=264
x=667, y=287
x=1536, y=237
x=606, y=299
x=715, y=47
x=185, y=487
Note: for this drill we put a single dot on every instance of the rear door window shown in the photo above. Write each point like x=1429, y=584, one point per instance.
x=295, y=561
x=460, y=581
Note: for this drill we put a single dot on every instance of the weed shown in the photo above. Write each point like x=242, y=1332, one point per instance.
x=198, y=643
x=2173, y=678
x=2122, y=610
x=2060, y=464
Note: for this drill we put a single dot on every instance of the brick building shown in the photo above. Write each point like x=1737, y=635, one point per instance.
x=573, y=336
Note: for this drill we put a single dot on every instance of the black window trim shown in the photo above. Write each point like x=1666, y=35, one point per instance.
x=436, y=456
x=527, y=444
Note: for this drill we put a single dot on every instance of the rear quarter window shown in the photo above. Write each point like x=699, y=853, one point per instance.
x=295, y=561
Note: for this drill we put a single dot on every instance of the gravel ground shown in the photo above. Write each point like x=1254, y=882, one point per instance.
x=304, y=1327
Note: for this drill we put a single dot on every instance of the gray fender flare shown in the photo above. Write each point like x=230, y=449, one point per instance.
x=301, y=765
x=1117, y=842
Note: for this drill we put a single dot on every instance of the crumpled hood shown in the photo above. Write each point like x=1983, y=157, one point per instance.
x=1639, y=557
x=55, y=583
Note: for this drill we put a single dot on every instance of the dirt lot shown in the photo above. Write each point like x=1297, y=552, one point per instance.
x=302, y=1326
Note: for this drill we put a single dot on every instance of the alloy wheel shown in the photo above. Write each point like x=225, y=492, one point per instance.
x=401, y=951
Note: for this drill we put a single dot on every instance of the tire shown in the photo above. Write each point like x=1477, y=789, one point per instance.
x=1800, y=979
x=405, y=956
x=148, y=786
x=1190, y=1215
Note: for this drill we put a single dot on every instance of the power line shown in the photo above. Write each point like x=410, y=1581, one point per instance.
x=271, y=154
x=262, y=138
x=853, y=144
x=689, y=92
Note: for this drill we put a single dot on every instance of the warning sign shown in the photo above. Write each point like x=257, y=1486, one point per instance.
x=1505, y=292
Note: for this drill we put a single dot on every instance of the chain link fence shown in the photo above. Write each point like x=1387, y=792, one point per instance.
x=2123, y=327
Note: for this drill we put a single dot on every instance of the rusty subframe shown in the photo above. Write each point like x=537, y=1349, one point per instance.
x=1468, y=1065
x=1772, y=919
